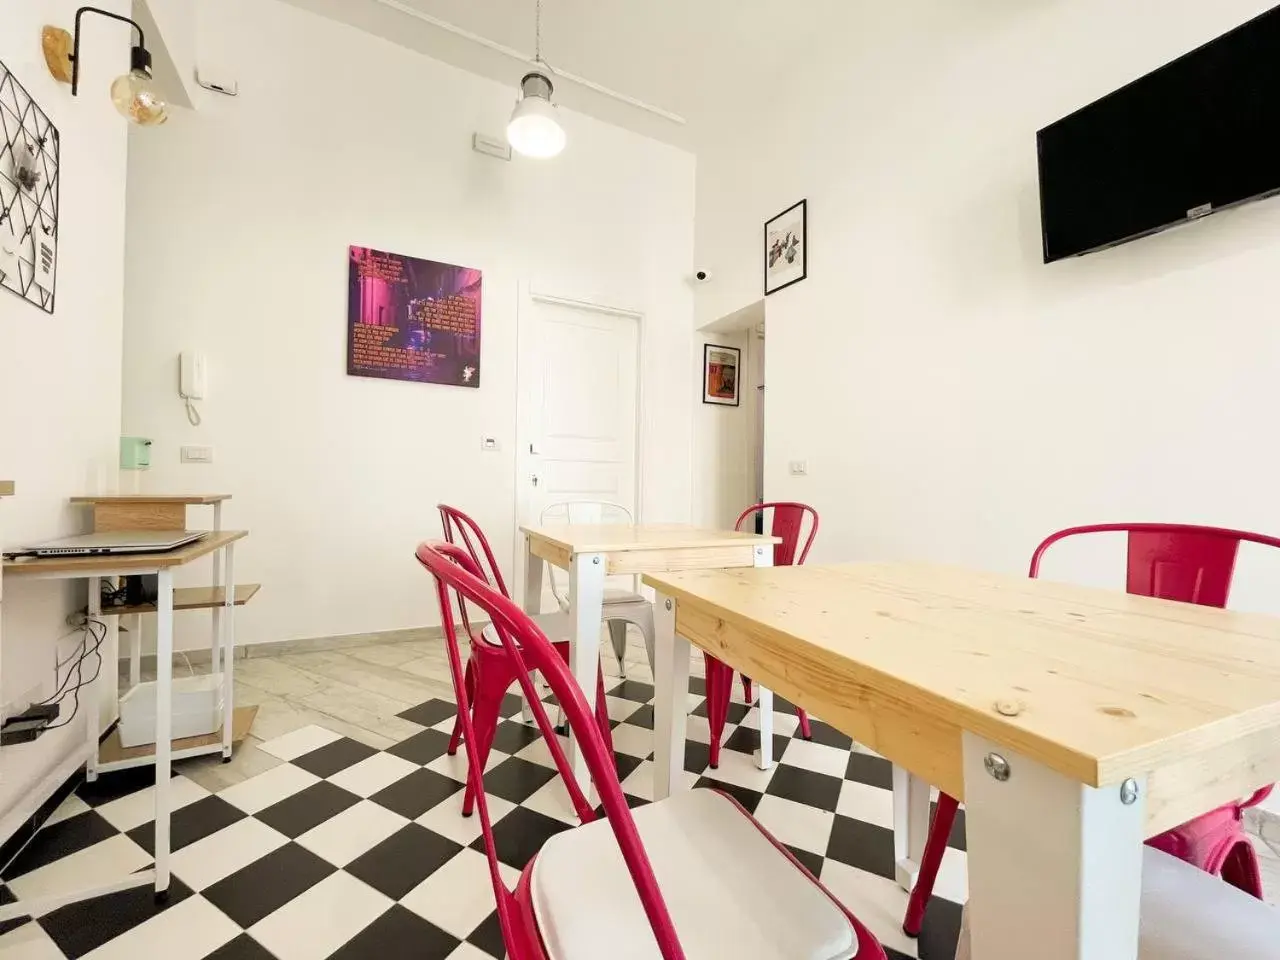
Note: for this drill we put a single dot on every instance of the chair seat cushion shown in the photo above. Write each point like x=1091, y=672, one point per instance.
x=731, y=892
x=1188, y=914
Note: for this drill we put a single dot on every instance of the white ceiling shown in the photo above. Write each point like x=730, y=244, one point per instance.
x=701, y=59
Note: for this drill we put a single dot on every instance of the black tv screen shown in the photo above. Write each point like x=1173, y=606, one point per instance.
x=1197, y=135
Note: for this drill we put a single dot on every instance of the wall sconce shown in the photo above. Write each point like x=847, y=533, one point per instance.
x=133, y=93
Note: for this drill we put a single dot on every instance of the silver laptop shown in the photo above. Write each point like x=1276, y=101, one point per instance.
x=122, y=541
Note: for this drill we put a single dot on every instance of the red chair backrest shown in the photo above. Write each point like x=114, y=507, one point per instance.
x=788, y=522
x=1172, y=561
x=458, y=526
x=459, y=578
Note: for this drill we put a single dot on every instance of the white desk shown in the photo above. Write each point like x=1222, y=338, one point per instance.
x=162, y=565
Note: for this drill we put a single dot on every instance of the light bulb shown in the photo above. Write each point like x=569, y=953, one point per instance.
x=535, y=129
x=135, y=96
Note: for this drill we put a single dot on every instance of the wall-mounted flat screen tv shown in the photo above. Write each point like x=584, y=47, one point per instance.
x=1196, y=136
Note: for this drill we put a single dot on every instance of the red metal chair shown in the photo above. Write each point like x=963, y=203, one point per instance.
x=788, y=523
x=650, y=880
x=1171, y=561
x=490, y=671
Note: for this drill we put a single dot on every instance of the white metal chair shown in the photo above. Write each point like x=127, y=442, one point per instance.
x=621, y=606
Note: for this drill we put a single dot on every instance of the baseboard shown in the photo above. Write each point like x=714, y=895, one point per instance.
x=279, y=648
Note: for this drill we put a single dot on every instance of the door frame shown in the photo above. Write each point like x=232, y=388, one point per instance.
x=528, y=296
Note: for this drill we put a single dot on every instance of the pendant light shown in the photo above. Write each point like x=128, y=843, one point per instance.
x=535, y=130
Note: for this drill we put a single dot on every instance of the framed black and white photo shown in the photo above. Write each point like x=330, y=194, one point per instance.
x=786, y=248
x=721, y=375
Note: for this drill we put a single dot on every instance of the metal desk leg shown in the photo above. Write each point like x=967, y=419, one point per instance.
x=228, y=638
x=670, y=699
x=93, y=709
x=216, y=640
x=1055, y=867
x=164, y=725
x=910, y=825
x=586, y=600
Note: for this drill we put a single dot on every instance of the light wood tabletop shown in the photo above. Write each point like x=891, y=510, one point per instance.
x=43, y=566
x=6, y=488
x=646, y=546
x=1097, y=685
x=190, y=498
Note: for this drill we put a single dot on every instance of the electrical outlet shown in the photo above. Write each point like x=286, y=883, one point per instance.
x=798, y=468
x=490, y=444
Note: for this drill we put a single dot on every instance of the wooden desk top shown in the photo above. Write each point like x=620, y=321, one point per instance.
x=1098, y=685
x=647, y=547
x=89, y=566
x=586, y=538
x=6, y=488
x=193, y=498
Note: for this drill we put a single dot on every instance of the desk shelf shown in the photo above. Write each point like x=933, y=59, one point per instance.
x=192, y=598
x=113, y=755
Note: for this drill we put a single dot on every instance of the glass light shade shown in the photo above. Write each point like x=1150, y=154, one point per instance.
x=135, y=96
x=535, y=129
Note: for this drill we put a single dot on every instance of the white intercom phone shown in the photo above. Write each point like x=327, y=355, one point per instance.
x=191, y=375
x=191, y=382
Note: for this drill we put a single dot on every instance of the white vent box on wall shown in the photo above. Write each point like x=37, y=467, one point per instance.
x=197, y=710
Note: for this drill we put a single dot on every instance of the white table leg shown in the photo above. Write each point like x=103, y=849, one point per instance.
x=164, y=725
x=216, y=641
x=910, y=825
x=93, y=709
x=586, y=601
x=670, y=699
x=764, y=756
x=532, y=606
x=1055, y=867
x=227, y=623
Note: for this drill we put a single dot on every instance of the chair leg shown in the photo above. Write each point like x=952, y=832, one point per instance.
x=491, y=686
x=806, y=732
x=1242, y=870
x=746, y=688
x=719, y=684
x=469, y=681
x=943, y=817
x=618, y=638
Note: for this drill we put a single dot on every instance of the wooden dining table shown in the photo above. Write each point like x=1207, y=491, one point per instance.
x=590, y=553
x=1073, y=722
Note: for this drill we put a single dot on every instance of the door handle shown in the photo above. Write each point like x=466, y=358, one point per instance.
x=534, y=479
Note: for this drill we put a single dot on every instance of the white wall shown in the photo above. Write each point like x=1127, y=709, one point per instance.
x=956, y=399
x=60, y=374
x=239, y=222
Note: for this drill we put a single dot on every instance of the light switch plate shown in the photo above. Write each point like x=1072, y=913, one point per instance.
x=490, y=444
x=196, y=454
x=799, y=468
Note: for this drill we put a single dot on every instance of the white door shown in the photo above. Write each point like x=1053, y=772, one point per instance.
x=576, y=434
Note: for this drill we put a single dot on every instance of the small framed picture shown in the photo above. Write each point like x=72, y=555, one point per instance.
x=786, y=248
x=720, y=379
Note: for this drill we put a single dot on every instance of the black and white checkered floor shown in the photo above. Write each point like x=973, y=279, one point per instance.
x=348, y=852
